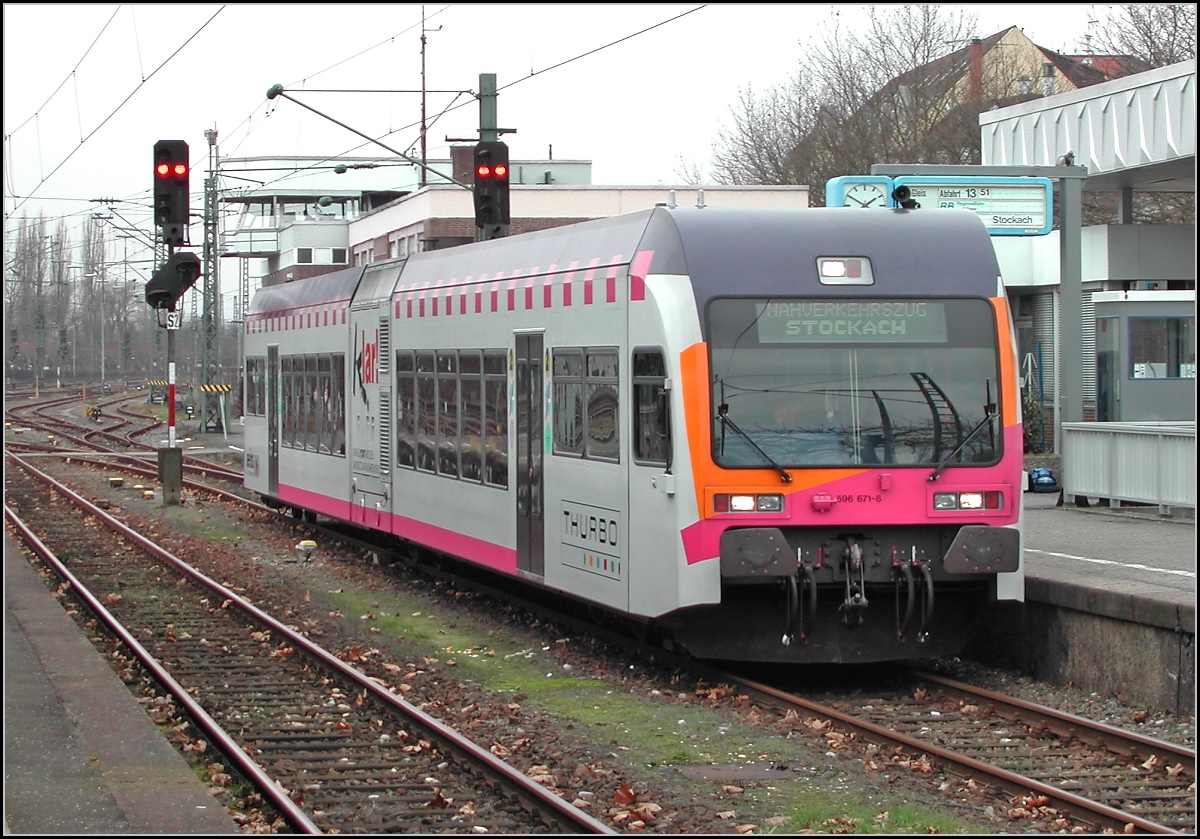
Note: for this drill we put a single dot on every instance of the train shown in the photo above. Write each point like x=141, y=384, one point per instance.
x=759, y=435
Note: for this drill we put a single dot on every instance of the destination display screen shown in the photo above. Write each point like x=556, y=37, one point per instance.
x=851, y=321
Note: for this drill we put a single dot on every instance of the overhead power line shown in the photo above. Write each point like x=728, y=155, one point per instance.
x=103, y=122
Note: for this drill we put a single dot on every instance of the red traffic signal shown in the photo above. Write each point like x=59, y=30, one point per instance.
x=171, y=170
x=166, y=169
x=491, y=187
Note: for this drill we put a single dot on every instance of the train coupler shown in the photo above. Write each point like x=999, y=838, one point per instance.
x=855, y=602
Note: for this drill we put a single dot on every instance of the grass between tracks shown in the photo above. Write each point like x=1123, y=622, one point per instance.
x=658, y=728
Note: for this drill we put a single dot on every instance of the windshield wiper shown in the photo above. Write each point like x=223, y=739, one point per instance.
x=988, y=415
x=723, y=416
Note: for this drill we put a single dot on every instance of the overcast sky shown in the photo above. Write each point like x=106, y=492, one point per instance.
x=89, y=89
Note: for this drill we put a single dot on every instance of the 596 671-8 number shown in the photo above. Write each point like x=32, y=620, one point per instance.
x=860, y=499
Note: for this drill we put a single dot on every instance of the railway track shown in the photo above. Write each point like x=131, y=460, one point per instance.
x=1055, y=766
x=1064, y=771
x=348, y=753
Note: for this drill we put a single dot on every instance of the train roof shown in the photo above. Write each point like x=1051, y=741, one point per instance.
x=764, y=252
x=725, y=251
x=731, y=251
x=334, y=287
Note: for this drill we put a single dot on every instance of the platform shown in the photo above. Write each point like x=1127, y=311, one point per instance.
x=80, y=754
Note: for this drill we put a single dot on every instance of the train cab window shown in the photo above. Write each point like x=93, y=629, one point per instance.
x=406, y=409
x=651, y=417
x=806, y=382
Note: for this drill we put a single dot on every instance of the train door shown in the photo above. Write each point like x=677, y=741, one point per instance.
x=531, y=399
x=370, y=399
x=273, y=410
x=653, y=505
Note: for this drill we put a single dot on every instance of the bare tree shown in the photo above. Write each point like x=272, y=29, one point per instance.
x=857, y=101
x=1158, y=33
x=689, y=172
x=24, y=316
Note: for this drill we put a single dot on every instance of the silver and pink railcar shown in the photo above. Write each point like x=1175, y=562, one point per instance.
x=763, y=435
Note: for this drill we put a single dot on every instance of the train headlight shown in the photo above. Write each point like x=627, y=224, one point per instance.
x=741, y=503
x=727, y=503
x=770, y=503
x=970, y=500
x=945, y=501
x=988, y=500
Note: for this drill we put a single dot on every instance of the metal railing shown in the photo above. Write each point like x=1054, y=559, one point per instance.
x=1138, y=462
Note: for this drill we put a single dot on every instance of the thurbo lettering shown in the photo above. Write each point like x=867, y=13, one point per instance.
x=588, y=528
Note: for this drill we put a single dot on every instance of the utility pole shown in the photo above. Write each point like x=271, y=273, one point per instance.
x=487, y=108
x=424, y=160
x=210, y=415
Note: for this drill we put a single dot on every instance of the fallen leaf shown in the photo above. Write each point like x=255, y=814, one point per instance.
x=624, y=796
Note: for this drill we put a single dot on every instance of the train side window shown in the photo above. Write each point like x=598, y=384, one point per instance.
x=260, y=387
x=406, y=409
x=312, y=413
x=326, y=405
x=337, y=392
x=426, y=421
x=603, y=405
x=495, y=418
x=250, y=383
x=447, y=413
x=289, y=410
x=299, y=409
x=651, y=414
x=567, y=377
x=470, y=368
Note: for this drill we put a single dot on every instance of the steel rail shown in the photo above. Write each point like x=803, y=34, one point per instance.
x=1098, y=814
x=270, y=791
x=517, y=780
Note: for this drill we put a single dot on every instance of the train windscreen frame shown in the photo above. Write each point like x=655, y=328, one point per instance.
x=820, y=382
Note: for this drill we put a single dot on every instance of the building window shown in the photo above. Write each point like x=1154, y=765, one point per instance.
x=1162, y=348
x=304, y=256
x=339, y=256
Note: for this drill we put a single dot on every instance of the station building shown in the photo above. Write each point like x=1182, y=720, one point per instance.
x=1134, y=134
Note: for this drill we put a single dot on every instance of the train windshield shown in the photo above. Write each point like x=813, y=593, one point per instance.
x=802, y=382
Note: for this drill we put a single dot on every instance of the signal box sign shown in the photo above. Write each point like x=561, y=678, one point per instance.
x=1006, y=206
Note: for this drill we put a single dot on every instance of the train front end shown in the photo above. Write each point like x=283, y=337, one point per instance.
x=855, y=439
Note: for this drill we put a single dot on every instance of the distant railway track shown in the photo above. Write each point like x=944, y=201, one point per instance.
x=331, y=749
